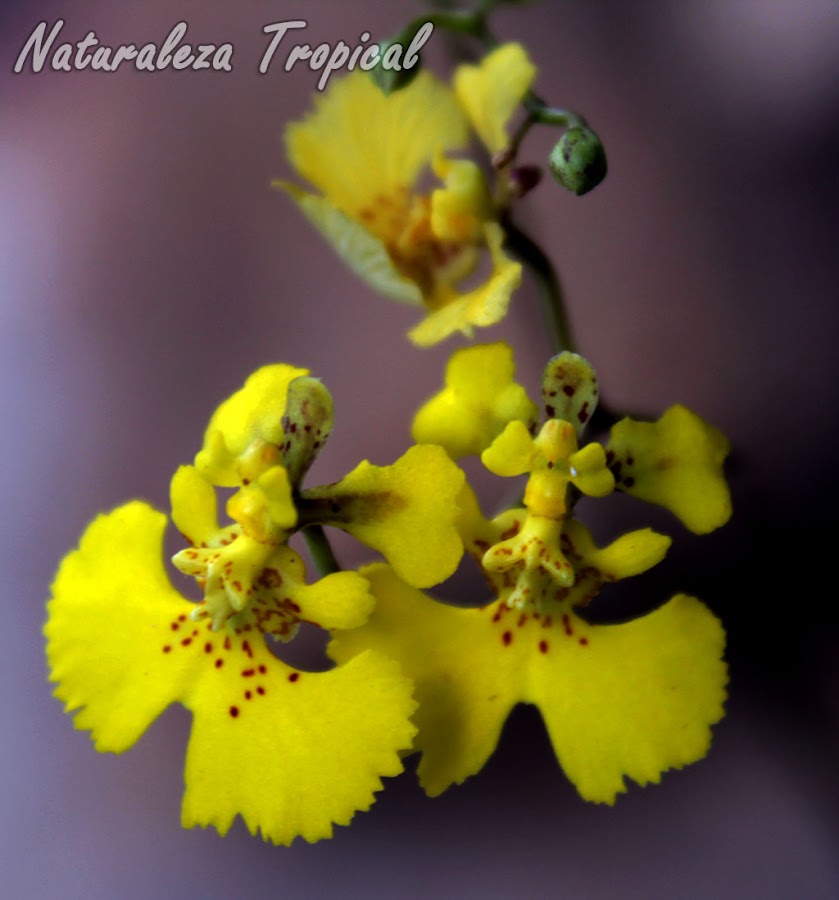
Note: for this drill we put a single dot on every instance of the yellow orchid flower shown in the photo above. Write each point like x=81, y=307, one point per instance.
x=364, y=152
x=292, y=752
x=629, y=700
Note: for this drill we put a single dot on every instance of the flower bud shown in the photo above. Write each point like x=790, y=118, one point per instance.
x=307, y=424
x=578, y=161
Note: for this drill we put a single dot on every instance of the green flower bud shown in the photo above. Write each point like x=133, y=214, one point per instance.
x=578, y=161
x=307, y=424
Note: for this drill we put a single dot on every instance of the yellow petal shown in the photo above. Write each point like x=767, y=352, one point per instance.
x=359, y=144
x=407, y=511
x=490, y=91
x=194, y=508
x=292, y=752
x=590, y=475
x=365, y=254
x=459, y=209
x=308, y=752
x=677, y=463
x=479, y=399
x=483, y=306
x=635, y=699
x=254, y=412
x=512, y=452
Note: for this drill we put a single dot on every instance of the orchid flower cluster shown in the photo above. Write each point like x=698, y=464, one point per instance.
x=294, y=752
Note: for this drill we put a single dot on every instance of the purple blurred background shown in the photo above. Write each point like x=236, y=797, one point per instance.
x=146, y=267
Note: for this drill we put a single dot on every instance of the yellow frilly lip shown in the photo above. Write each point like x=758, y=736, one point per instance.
x=619, y=701
x=292, y=752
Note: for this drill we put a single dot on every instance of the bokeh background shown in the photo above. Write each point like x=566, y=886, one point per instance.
x=146, y=267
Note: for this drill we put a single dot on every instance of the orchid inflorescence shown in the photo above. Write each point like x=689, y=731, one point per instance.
x=295, y=752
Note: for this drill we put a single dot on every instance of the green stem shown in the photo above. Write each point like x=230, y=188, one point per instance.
x=538, y=112
x=553, y=308
x=553, y=300
x=320, y=549
x=551, y=115
x=511, y=150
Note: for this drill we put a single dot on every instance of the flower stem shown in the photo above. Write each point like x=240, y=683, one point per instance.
x=553, y=299
x=320, y=550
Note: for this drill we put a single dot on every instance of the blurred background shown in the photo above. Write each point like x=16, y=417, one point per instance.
x=146, y=268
